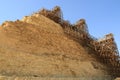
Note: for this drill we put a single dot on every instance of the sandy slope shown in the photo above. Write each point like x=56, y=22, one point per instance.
x=37, y=47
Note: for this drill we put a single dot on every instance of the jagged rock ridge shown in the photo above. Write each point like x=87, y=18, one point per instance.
x=36, y=46
x=105, y=48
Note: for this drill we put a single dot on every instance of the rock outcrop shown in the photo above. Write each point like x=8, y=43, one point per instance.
x=37, y=47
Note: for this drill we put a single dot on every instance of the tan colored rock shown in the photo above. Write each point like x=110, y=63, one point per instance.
x=3, y=78
x=37, y=47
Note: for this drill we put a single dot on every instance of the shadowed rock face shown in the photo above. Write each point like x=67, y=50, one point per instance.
x=38, y=47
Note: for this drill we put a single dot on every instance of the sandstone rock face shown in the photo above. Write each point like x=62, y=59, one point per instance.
x=53, y=78
x=36, y=47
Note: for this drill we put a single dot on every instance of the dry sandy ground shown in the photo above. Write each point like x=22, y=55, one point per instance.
x=36, y=47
